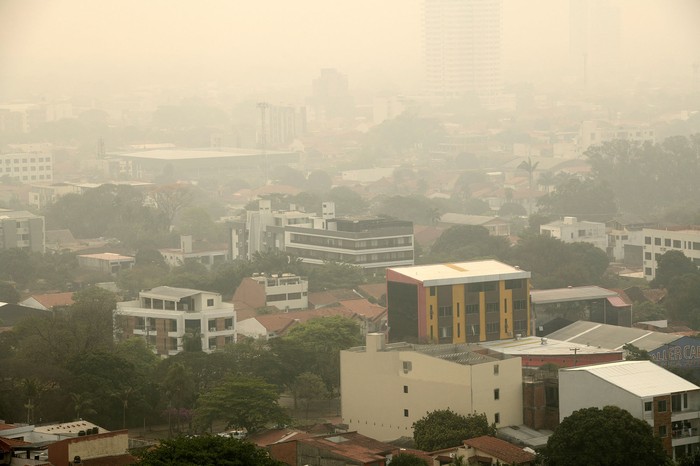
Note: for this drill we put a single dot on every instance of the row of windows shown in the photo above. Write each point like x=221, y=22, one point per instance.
x=30, y=160
x=24, y=169
x=673, y=243
x=284, y=296
x=31, y=178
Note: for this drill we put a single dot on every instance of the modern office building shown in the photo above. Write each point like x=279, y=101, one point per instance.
x=387, y=387
x=21, y=229
x=166, y=316
x=464, y=302
x=657, y=242
x=27, y=167
x=462, y=46
x=669, y=403
x=367, y=242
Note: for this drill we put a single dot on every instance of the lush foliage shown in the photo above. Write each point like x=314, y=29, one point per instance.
x=407, y=459
x=609, y=436
x=444, y=428
x=206, y=451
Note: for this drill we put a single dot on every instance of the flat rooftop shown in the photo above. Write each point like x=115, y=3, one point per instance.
x=107, y=256
x=462, y=353
x=462, y=272
x=169, y=292
x=6, y=214
x=575, y=293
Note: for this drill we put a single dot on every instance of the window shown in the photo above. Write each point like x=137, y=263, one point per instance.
x=497, y=418
x=519, y=305
x=432, y=291
x=472, y=308
x=489, y=286
x=661, y=406
x=496, y=394
x=473, y=330
x=492, y=327
x=492, y=307
x=667, y=242
x=405, y=413
x=647, y=271
x=647, y=256
x=407, y=366
x=228, y=323
x=495, y=369
x=212, y=343
x=677, y=243
x=657, y=241
x=457, y=309
x=445, y=311
x=662, y=431
x=446, y=332
x=647, y=405
x=172, y=343
x=210, y=302
x=514, y=284
x=405, y=388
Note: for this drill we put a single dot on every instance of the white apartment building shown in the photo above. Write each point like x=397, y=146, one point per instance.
x=387, y=387
x=657, y=242
x=21, y=229
x=284, y=291
x=593, y=133
x=27, y=167
x=209, y=256
x=462, y=46
x=165, y=316
x=669, y=403
x=570, y=230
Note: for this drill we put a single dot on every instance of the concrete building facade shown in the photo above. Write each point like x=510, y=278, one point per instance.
x=27, y=167
x=165, y=316
x=458, y=303
x=570, y=230
x=387, y=387
x=106, y=262
x=657, y=242
x=22, y=229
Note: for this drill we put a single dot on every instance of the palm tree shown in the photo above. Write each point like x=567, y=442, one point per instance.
x=529, y=167
x=82, y=403
x=547, y=180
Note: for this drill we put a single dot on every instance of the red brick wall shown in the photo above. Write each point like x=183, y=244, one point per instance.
x=285, y=452
x=663, y=419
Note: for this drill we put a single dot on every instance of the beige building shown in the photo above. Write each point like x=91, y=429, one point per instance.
x=387, y=387
x=106, y=262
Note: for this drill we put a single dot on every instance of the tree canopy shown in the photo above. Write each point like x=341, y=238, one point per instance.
x=670, y=265
x=444, y=428
x=206, y=450
x=610, y=436
x=408, y=459
x=587, y=200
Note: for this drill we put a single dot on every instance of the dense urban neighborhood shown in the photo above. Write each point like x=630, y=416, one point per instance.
x=240, y=262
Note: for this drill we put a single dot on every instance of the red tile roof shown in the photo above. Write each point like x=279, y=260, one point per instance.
x=375, y=290
x=50, y=300
x=324, y=298
x=364, y=308
x=500, y=449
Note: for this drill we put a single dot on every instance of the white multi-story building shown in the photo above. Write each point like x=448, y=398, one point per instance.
x=570, y=230
x=284, y=291
x=165, y=316
x=387, y=387
x=669, y=403
x=27, y=167
x=657, y=242
x=592, y=133
x=21, y=229
x=462, y=46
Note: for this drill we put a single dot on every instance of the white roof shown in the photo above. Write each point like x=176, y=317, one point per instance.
x=641, y=378
x=462, y=272
x=197, y=154
x=169, y=292
x=543, y=346
x=575, y=293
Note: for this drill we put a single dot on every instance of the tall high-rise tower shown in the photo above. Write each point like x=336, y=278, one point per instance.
x=462, y=45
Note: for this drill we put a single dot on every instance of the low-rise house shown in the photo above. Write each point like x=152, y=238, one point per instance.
x=669, y=403
x=486, y=450
x=284, y=291
x=106, y=262
x=570, y=230
x=335, y=449
x=387, y=387
x=49, y=301
x=495, y=225
x=166, y=316
x=206, y=254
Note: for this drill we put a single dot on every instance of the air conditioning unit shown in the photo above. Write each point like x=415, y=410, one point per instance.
x=212, y=329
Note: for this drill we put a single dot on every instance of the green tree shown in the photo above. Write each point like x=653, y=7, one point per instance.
x=634, y=353
x=308, y=387
x=335, y=275
x=408, y=459
x=319, y=180
x=8, y=293
x=467, y=242
x=683, y=299
x=443, y=428
x=320, y=341
x=530, y=168
x=609, y=436
x=206, y=450
x=672, y=264
x=247, y=402
x=587, y=200
x=347, y=201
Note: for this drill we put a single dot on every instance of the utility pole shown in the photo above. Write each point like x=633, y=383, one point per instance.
x=575, y=350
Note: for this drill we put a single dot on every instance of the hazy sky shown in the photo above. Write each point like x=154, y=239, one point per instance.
x=64, y=45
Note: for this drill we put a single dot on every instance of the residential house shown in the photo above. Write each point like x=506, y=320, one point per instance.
x=669, y=403
x=571, y=230
x=206, y=254
x=284, y=291
x=49, y=301
x=106, y=262
x=495, y=225
x=387, y=387
x=332, y=450
x=488, y=450
x=165, y=316
x=464, y=302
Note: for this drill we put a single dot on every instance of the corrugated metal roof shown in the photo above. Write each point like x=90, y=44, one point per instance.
x=611, y=336
x=576, y=293
x=641, y=378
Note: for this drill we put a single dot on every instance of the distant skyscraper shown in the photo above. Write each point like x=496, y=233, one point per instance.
x=331, y=95
x=462, y=45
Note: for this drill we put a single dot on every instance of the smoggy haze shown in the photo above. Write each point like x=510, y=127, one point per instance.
x=56, y=46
